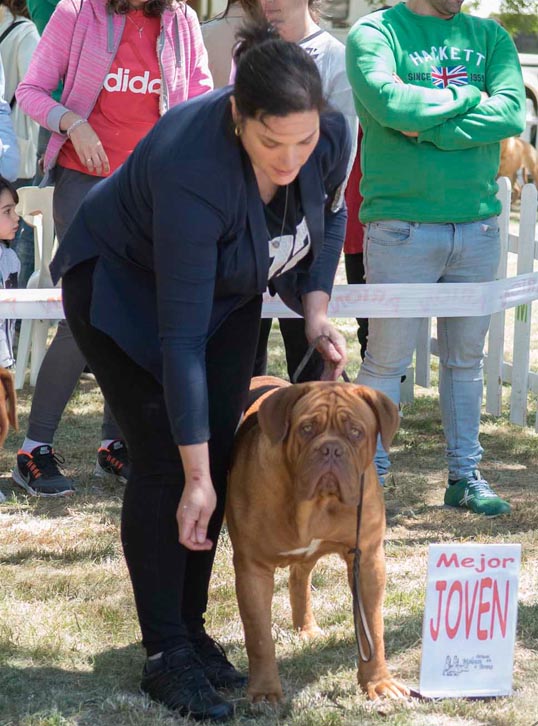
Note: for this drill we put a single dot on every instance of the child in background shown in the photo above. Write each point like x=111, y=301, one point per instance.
x=9, y=263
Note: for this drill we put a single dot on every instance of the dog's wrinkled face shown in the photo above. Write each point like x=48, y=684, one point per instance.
x=328, y=432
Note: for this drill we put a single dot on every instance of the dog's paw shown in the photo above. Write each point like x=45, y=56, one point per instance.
x=270, y=693
x=314, y=631
x=388, y=687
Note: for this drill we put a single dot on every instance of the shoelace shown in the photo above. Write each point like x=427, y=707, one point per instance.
x=170, y=682
x=114, y=461
x=117, y=456
x=482, y=488
x=33, y=469
x=49, y=464
x=211, y=649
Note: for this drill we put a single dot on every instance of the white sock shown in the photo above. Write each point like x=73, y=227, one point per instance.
x=29, y=444
x=156, y=656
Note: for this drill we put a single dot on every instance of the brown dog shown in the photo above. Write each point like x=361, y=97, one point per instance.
x=8, y=404
x=517, y=154
x=292, y=498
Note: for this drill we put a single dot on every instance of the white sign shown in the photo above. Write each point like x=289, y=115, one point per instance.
x=470, y=618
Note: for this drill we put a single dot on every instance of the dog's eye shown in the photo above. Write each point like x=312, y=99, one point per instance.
x=355, y=432
x=307, y=428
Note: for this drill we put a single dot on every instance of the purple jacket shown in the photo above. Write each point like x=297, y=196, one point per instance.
x=79, y=44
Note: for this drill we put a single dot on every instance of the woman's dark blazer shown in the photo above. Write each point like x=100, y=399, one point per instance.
x=181, y=240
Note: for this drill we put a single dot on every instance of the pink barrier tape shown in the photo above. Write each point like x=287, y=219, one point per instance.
x=348, y=301
x=422, y=300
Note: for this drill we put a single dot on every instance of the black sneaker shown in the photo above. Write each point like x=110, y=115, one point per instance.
x=176, y=680
x=38, y=472
x=217, y=668
x=113, y=460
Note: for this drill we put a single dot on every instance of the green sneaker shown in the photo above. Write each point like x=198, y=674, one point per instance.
x=475, y=494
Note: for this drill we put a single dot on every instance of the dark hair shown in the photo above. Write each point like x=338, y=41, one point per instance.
x=6, y=185
x=151, y=8
x=273, y=77
x=18, y=8
x=251, y=7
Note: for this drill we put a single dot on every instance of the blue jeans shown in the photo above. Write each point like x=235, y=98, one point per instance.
x=399, y=252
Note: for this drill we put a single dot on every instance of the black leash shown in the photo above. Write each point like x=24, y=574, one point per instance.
x=310, y=350
x=359, y=616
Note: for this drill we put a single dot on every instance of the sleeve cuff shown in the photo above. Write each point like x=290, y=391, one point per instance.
x=431, y=136
x=54, y=117
x=471, y=94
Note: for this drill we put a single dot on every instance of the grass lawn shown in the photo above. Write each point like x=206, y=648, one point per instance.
x=69, y=651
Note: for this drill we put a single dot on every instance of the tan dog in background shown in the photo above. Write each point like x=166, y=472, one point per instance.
x=292, y=498
x=517, y=154
x=8, y=405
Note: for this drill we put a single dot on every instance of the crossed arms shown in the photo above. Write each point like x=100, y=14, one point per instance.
x=452, y=118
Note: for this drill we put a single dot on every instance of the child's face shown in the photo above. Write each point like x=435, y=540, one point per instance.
x=9, y=219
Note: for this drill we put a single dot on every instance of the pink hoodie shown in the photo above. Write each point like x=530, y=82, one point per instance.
x=79, y=44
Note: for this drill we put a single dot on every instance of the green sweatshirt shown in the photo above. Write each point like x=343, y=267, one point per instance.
x=446, y=174
x=40, y=11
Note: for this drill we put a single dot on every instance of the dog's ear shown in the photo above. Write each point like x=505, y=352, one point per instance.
x=6, y=377
x=4, y=421
x=8, y=405
x=275, y=412
x=386, y=413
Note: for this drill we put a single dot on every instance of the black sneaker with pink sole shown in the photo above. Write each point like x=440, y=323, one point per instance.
x=39, y=473
x=113, y=460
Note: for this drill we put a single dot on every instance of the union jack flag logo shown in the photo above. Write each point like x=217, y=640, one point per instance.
x=453, y=75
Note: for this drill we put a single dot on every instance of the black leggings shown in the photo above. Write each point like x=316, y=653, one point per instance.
x=63, y=362
x=170, y=583
x=355, y=274
x=295, y=345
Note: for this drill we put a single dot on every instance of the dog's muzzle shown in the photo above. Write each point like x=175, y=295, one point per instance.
x=328, y=471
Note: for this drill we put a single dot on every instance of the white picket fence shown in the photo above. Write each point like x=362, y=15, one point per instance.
x=497, y=369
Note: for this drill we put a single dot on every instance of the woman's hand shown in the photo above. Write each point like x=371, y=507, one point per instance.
x=198, y=500
x=329, y=341
x=90, y=149
x=86, y=143
x=331, y=345
x=194, y=511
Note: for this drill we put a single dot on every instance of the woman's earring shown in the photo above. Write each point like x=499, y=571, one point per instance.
x=237, y=130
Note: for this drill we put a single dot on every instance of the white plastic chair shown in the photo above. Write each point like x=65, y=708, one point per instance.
x=35, y=206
